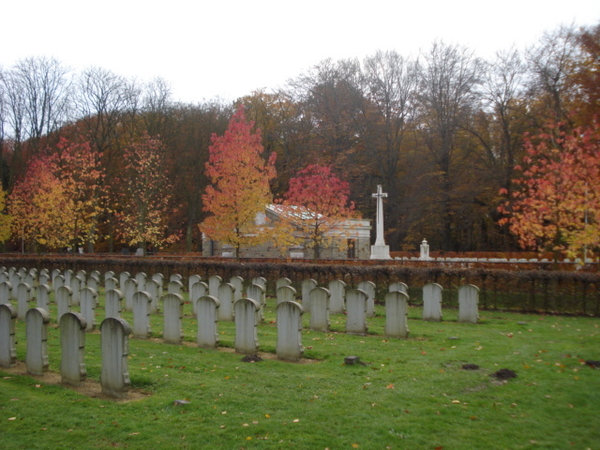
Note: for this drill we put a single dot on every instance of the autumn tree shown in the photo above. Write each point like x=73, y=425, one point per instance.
x=145, y=200
x=555, y=205
x=40, y=206
x=317, y=204
x=5, y=219
x=239, y=188
x=81, y=173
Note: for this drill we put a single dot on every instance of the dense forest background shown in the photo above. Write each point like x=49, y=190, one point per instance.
x=441, y=132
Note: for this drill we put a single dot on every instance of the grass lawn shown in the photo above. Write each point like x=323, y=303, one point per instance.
x=409, y=394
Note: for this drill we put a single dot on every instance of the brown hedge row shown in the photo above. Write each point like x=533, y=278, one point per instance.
x=527, y=290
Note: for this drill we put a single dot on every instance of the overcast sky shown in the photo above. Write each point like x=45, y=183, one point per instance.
x=227, y=49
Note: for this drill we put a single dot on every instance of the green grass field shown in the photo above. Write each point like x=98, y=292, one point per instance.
x=410, y=394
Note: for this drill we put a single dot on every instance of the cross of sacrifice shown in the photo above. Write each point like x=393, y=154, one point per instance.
x=379, y=195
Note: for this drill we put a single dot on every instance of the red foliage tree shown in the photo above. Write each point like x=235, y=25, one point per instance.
x=239, y=188
x=556, y=203
x=318, y=205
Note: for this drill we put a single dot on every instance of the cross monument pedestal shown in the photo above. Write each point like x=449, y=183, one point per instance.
x=380, y=250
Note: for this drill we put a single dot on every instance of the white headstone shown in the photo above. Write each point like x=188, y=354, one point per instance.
x=368, y=287
x=319, y=309
x=356, y=308
x=208, y=332
x=113, y=303
x=43, y=297
x=141, y=315
x=432, y=302
x=36, y=359
x=398, y=286
x=114, y=344
x=238, y=285
x=199, y=289
x=23, y=299
x=289, y=330
x=213, y=285
x=257, y=293
x=337, y=300
x=285, y=293
x=468, y=299
x=129, y=291
x=88, y=299
x=396, y=314
x=246, y=321
x=5, y=293
x=63, y=301
x=193, y=279
x=225, y=295
x=173, y=313
x=8, y=351
x=72, y=344
x=307, y=286
x=153, y=290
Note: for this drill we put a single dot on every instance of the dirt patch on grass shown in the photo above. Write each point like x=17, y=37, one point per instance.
x=89, y=388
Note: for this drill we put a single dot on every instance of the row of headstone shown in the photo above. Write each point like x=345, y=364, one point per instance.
x=226, y=292
x=114, y=377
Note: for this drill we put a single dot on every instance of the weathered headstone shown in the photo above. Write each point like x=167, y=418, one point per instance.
x=260, y=281
x=36, y=323
x=109, y=274
x=63, y=301
x=113, y=303
x=175, y=287
x=153, y=290
x=432, y=302
x=77, y=283
x=8, y=350
x=208, y=333
x=141, y=278
x=129, y=292
x=368, y=287
x=193, y=279
x=396, y=314
x=319, y=309
x=238, y=285
x=5, y=293
x=172, y=315
x=199, y=289
x=213, y=285
x=257, y=293
x=88, y=301
x=176, y=277
x=23, y=299
x=111, y=283
x=285, y=293
x=282, y=282
x=468, y=299
x=398, y=286
x=58, y=281
x=159, y=280
x=289, y=330
x=141, y=315
x=43, y=297
x=337, y=300
x=246, y=321
x=225, y=295
x=356, y=308
x=123, y=277
x=114, y=344
x=307, y=286
x=72, y=344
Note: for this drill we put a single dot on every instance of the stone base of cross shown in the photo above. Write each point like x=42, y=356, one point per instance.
x=380, y=252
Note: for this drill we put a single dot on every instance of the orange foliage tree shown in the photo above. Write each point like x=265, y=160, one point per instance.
x=145, y=203
x=40, y=206
x=556, y=203
x=81, y=173
x=318, y=206
x=239, y=188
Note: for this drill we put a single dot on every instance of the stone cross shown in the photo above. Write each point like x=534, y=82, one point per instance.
x=380, y=250
x=379, y=196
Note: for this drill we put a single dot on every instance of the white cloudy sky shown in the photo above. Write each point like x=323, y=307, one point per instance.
x=228, y=48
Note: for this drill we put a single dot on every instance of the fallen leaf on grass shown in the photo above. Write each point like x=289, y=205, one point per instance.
x=390, y=386
x=12, y=418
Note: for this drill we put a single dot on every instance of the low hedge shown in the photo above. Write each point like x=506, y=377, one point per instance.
x=545, y=291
